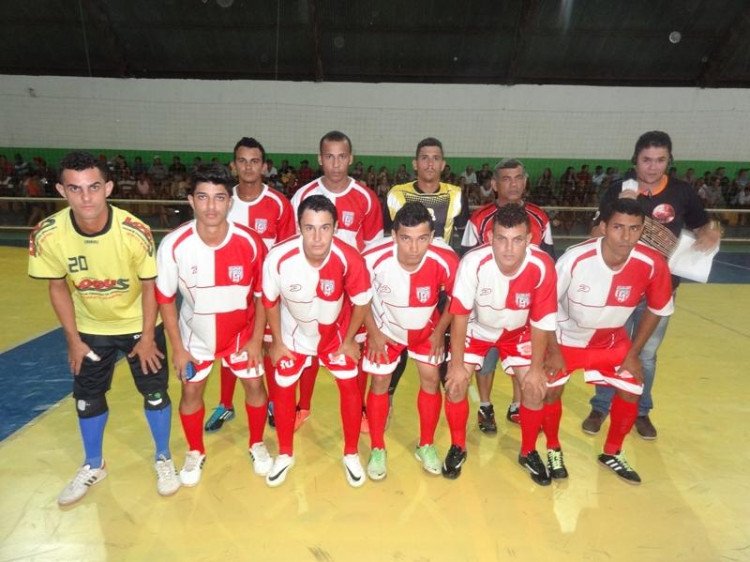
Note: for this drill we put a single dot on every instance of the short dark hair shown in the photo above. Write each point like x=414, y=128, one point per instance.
x=319, y=204
x=508, y=164
x=429, y=141
x=511, y=215
x=250, y=142
x=211, y=173
x=413, y=213
x=625, y=206
x=79, y=161
x=335, y=136
x=658, y=139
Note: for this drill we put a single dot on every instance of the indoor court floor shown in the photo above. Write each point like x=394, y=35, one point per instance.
x=693, y=504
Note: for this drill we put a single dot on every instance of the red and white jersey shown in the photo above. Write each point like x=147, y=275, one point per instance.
x=316, y=302
x=499, y=305
x=404, y=302
x=360, y=214
x=479, y=228
x=270, y=215
x=595, y=301
x=217, y=284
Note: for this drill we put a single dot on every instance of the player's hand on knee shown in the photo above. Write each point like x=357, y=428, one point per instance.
x=278, y=351
x=437, y=346
x=456, y=381
x=77, y=353
x=148, y=353
x=350, y=348
x=376, y=348
x=632, y=364
x=534, y=386
x=180, y=359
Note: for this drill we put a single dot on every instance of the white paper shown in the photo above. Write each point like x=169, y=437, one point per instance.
x=690, y=263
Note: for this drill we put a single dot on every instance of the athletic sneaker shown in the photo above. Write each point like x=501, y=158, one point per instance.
x=300, y=417
x=77, y=488
x=376, y=469
x=428, y=456
x=619, y=464
x=281, y=466
x=593, y=423
x=513, y=414
x=364, y=425
x=271, y=419
x=533, y=463
x=167, y=481
x=556, y=465
x=355, y=474
x=190, y=474
x=486, y=419
x=454, y=460
x=262, y=461
x=218, y=417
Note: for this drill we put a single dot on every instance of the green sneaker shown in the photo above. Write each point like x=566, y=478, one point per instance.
x=376, y=467
x=427, y=455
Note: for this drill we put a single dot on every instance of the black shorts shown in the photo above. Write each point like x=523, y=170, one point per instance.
x=95, y=377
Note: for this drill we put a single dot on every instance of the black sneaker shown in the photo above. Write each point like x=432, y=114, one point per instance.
x=454, y=460
x=645, y=428
x=533, y=463
x=619, y=464
x=513, y=414
x=593, y=423
x=486, y=419
x=555, y=464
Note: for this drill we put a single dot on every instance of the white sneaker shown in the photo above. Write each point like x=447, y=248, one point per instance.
x=77, y=488
x=190, y=474
x=279, y=470
x=355, y=474
x=167, y=481
x=262, y=461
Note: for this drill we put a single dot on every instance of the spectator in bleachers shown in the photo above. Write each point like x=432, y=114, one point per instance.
x=177, y=167
x=157, y=172
x=138, y=167
x=484, y=174
x=402, y=175
x=470, y=179
x=271, y=174
x=568, y=186
x=305, y=174
x=448, y=176
x=689, y=176
x=6, y=166
x=544, y=190
x=358, y=171
x=371, y=178
x=126, y=184
x=384, y=175
x=711, y=195
x=21, y=169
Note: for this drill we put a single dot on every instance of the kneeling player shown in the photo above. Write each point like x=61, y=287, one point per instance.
x=216, y=266
x=408, y=272
x=600, y=282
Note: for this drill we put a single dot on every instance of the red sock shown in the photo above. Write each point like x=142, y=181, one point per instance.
x=270, y=379
x=350, y=404
x=283, y=411
x=256, y=422
x=457, y=414
x=307, y=384
x=551, y=423
x=377, y=414
x=428, y=406
x=192, y=426
x=531, y=421
x=622, y=416
x=226, y=387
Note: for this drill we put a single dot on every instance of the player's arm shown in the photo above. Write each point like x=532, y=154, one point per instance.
x=277, y=350
x=708, y=236
x=62, y=303
x=146, y=350
x=350, y=347
x=631, y=363
x=457, y=375
x=180, y=356
x=437, y=338
x=535, y=381
x=376, y=340
x=254, y=346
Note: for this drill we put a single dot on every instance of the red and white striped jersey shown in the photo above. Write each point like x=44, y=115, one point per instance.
x=479, y=228
x=316, y=302
x=595, y=301
x=499, y=305
x=270, y=215
x=360, y=214
x=217, y=285
x=404, y=302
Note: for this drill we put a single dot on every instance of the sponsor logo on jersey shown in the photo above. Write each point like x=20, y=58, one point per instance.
x=663, y=213
x=384, y=289
x=582, y=288
x=235, y=273
x=423, y=294
x=261, y=225
x=327, y=286
x=102, y=286
x=523, y=300
x=194, y=269
x=37, y=233
x=294, y=288
x=142, y=231
x=347, y=218
x=484, y=292
x=622, y=293
x=337, y=359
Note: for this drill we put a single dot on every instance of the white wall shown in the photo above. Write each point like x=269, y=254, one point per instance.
x=382, y=119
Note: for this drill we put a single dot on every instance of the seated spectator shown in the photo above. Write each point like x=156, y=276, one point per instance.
x=448, y=176
x=371, y=178
x=358, y=171
x=402, y=175
x=157, y=172
x=486, y=193
x=484, y=174
x=138, y=167
x=21, y=169
x=271, y=175
x=470, y=179
x=689, y=176
x=383, y=173
x=568, y=187
x=711, y=194
x=305, y=174
x=544, y=189
x=126, y=184
x=177, y=167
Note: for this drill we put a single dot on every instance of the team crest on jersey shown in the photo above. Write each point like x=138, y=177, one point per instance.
x=622, y=293
x=235, y=273
x=261, y=225
x=523, y=300
x=423, y=294
x=347, y=218
x=327, y=286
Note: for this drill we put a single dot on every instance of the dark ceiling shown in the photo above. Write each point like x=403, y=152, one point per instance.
x=599, y=42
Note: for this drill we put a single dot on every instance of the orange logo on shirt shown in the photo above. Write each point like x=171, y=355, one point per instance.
x=89, y=285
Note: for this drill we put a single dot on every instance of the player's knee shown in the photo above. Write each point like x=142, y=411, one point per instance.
x=91, y=407
x=157, y=400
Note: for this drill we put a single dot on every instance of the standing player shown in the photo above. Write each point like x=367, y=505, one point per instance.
x=216, y=266
x=408, y=274
x=360, y=222
x=100, y=264
x=316, y=290
x=267, y=212
x=504, y=297
x=509, y=182
x=600, y=284
x=670, y=206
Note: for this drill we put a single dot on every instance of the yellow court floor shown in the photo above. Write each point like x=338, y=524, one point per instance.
x=694, y=503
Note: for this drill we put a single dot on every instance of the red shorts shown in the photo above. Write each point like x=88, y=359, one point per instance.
x=514, y=352
x=236, y=362
x=417, y=351
x=288, y=371
x=600, y=366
